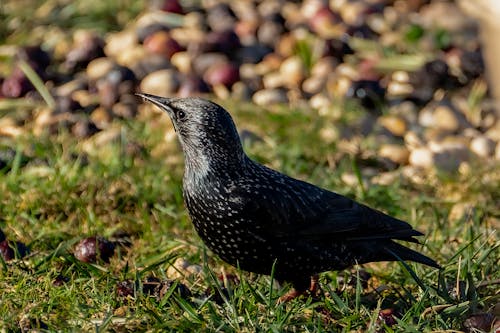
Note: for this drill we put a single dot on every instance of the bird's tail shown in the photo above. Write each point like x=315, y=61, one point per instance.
x=400, y=252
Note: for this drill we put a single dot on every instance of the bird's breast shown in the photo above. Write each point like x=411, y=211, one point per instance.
x=227, y=232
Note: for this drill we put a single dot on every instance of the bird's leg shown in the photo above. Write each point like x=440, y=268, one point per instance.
x=300, y=289
x=314, y=287
x=291, y=294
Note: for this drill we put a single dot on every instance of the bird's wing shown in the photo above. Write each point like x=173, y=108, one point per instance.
x=292, y=208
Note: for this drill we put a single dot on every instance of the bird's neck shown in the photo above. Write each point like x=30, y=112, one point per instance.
x=206, y=168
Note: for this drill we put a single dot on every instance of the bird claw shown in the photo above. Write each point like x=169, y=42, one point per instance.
x=294, y=293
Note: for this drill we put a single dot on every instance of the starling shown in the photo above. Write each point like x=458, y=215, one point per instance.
x=257, y=218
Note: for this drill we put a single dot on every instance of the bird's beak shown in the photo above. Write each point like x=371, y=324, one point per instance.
x=161, y=102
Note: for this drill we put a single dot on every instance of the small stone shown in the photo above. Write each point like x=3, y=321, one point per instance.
x=413, y=140
x=222, y=74
x=329, y=134
x=179, y=269
x=182, y=61
x=481, y=322
x=324, y=66
x=352, y=180
x=83, y=129
x=386, y=316
x=99, y=67
x=162, y=83
x=130, y=57
x=70, y=87
x=269, y=96
x=395, y=125
x=396, y=153
x=319, y=101
x=10, y=250
x=101, y=117
x=422, y=158
x=400, y=76
x=482, y=146
x=206, y=60
x=162, y=43
x=87, y=46
x=293, y=69
x=194, y=269
x=313, y=84
x=445, y=118
x=494, y=132
x=192, y=85
x=386, y=178
x=94, y=249
x=273, y=80
x=398, y=89
x=117, y=43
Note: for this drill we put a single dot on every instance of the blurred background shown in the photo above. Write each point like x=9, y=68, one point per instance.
x=416, y=68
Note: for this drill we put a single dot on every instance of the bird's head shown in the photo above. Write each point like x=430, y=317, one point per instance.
x=206, y=130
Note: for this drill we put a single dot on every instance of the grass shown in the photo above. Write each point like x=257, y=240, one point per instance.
x=53, y=194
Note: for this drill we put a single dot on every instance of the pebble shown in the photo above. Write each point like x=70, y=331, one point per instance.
x=319, y=101
x=292, y=69
x=314, y=84
x=164, y=82
x=422, y=158
x=386, y=178
x=482, y=146
x=204, y=61
x=182, y=268
x=83, y=129
x=329, y=134
x=70, y=87
x=99, y=67
x=119, y=42
x=94, y=249
x=162, y=43
x=324, y=66
x=101, y=117
x=224, y=73
x=445, y=118
x=273, y=80
x=397, y=153
x=395, y=125
x=182, y=61
x=266, y=97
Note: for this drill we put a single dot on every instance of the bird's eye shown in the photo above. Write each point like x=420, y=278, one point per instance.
x=181, y=115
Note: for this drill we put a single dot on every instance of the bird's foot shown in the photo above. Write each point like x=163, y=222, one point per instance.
x=294, y=293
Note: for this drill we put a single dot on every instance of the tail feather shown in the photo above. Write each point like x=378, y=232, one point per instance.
x=400, y=252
